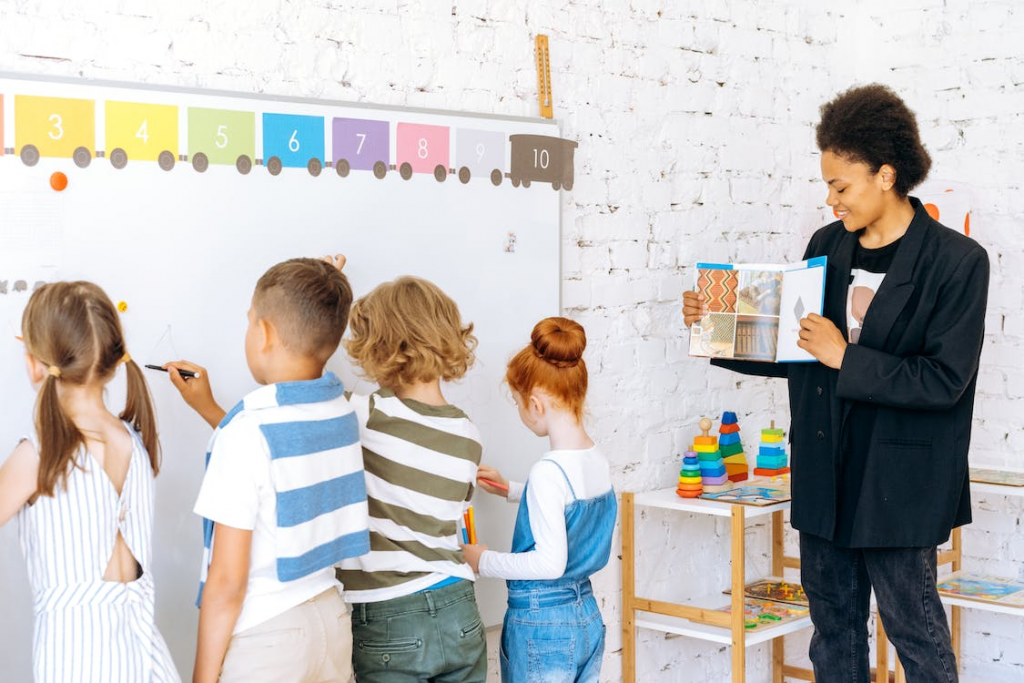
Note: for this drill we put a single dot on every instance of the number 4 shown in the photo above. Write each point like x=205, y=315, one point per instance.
x=142, y=134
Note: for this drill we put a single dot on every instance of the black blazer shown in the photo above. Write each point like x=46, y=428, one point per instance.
x=917, y=362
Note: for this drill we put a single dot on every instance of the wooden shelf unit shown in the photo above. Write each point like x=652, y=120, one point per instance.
x=698, y=619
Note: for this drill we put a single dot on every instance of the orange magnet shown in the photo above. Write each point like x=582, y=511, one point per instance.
x=58, y=181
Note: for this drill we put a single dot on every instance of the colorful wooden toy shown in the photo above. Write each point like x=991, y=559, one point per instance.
x=713, y=470
x=771, y=453
x=690, y=482
x=731, y=447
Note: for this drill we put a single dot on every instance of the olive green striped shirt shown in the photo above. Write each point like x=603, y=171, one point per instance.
x=420, y=464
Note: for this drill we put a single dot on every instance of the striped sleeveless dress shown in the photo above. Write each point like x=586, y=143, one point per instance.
x=88, y=630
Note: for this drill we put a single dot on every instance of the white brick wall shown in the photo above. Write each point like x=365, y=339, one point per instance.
x=695, y=121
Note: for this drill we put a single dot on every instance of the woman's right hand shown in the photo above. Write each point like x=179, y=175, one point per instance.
x=196, y=391
x=694, y=307
x=489, y=473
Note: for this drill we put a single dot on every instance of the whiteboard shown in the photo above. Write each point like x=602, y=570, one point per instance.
x=182, y=250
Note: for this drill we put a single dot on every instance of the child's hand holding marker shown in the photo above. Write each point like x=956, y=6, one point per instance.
x=472, y=554
x=196, y=391
x=490, y=480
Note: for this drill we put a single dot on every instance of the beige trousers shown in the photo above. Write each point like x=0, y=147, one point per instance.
x=310, y=643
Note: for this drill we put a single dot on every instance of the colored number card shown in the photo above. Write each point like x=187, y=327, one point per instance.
x=359, y=143
x=222, y=136
x=54, y=126
x=142, y=132
x=423, y=148
x=295, y=140
x=754, y=310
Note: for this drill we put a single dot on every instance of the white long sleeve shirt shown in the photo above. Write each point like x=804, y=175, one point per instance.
x=546, y=498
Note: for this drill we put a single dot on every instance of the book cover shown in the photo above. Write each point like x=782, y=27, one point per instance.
x=754, y=310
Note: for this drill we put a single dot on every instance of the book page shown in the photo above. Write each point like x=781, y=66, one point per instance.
x=803, y=292
x=743, y=311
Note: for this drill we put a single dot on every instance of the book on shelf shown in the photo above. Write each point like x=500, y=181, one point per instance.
x=764, y=614
x=983, y=588
x=775, y=589
x=998, y=477
x=754, y=309
x=759, y=492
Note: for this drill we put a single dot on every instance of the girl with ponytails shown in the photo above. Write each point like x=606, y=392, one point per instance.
x=82, y=490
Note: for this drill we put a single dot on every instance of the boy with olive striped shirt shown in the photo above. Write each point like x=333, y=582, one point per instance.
x=414, y=612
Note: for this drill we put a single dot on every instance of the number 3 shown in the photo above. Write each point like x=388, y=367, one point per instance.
x=58, y=124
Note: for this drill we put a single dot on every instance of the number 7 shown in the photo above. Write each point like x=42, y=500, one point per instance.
x=362, y=139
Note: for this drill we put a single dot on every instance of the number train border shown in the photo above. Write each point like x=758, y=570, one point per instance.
x=46, y=126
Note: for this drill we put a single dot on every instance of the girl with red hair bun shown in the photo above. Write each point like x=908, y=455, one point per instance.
x=567, y=511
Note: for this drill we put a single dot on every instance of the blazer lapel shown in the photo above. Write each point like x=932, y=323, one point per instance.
x=840, y=263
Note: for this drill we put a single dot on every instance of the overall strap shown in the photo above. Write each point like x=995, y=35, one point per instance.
x=571, y=489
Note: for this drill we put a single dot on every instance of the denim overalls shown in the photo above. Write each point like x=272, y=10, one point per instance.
x=553, y=630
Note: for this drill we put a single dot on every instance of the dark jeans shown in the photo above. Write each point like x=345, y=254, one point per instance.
x=433, y=635
x=838, y=583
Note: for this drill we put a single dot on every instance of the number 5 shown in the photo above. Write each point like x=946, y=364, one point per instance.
x=222, y=137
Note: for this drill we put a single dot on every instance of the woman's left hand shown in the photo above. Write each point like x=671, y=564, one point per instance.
x=822, y=339
x=472, y=554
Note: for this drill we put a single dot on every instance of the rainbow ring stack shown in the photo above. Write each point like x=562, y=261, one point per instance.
x=689, y=477
x=713, y=474
x=771, y=454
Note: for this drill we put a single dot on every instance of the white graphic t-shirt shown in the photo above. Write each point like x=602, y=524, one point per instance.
x=869, y=269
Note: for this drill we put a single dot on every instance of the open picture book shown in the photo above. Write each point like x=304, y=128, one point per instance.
x=754, y=310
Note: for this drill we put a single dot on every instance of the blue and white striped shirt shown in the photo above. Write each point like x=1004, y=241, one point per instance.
x=286, y=463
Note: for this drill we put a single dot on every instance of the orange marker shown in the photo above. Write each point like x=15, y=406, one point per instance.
x=494, y=484
x=471, y=525
x=58, y=181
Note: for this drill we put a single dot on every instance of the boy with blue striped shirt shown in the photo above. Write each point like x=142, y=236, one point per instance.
x=284, y=495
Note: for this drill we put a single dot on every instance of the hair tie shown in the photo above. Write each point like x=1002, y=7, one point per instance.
x=126, y=358
x=551, y=361
x=54, y=371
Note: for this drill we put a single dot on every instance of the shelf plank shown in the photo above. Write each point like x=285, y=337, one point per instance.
x=715, y=634
x=668, y=500
x=983, y=606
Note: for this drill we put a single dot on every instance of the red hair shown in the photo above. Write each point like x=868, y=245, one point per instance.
x=554, y=363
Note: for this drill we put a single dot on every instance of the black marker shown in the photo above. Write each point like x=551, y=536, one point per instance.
x=184, y=373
